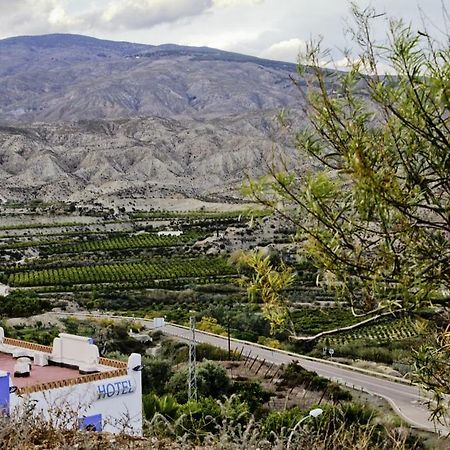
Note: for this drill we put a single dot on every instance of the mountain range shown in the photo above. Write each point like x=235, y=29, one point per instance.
x=83, y=118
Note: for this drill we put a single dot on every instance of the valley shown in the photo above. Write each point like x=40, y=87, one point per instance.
x=290, y=215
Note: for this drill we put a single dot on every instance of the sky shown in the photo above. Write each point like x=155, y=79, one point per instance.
x=275, y=29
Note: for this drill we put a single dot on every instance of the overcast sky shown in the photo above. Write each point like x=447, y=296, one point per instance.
x=268, y=28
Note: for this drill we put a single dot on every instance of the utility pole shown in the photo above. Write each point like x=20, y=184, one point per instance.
x=229, y=340
x=192, y=375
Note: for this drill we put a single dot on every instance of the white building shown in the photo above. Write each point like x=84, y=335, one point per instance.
x=170, y=233
x=70, y=376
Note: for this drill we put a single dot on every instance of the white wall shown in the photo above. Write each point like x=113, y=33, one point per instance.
x=118, y=400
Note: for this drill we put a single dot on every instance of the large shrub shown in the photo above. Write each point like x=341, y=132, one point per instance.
x=212, y=380
x=156, y=374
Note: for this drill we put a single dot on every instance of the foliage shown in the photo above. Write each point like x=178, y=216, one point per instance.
x=375, y=219
x=170, y=349
x=25, y=431
x=252, y=393
x=207, y=351
x=310, y=321
x=23, y=304
x=295, y=375
x=124, y=242
x=212, y=380
x=365, y=351
x=108, y=334
x=432, y=368
x=155, y=375
x=280, y=421
x=162, y=268
x=177, y=385
x=178, y=352
x=165, y=405
x=209, y=425
x=36, y=333
x=382, y=332
x=246, y=320
x=199, y=416
x=211, y=325
x=267, y=285
x=333, y=417
x=375, y=216
x=269, y=342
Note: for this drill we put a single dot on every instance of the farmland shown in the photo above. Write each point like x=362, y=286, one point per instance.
x=166, y=263
x=159, y=269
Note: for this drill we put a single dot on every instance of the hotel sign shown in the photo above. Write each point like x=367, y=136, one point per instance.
x=115, y=388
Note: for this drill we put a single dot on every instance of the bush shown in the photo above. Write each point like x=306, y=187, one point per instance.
x=212, y=380
x=203, y=351
x=155, y=375
x=198, y=417
x=367, y=351
x=337, y=394
x=165, y=405
x=251, y=393
x=211, y=325
x=296, y=375
x=23, y=304
x=355, y=413
x=279, y=422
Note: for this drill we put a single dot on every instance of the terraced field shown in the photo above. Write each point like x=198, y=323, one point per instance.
x=393, y=330
x=145, y=240
x=139, y=258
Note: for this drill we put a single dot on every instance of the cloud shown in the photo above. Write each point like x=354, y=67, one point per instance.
x=230, y=40
x=46, y=16
x=225, y=3
x=29, y=16
x=138, y=14
x=287, y=50
x=59, y=18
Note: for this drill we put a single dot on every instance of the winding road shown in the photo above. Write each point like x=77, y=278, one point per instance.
x=406, y=399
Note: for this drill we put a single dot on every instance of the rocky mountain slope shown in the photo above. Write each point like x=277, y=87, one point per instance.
x=83, y=118
x=136, y=158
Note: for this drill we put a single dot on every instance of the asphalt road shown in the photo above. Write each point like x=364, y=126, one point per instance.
x=406, y=400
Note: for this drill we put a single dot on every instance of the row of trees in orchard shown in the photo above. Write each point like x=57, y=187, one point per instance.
x=161, y=268
x=373, y=212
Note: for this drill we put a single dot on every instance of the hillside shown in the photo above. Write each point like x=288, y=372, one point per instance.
x=135, y=158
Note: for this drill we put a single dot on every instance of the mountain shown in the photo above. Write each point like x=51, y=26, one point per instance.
x=63, y=77
x=84, y=118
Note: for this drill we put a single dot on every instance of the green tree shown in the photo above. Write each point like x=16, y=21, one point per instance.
x=23, y=304
x=156, y=374
x=212, y=381
x=211, y=325
x=373, y=210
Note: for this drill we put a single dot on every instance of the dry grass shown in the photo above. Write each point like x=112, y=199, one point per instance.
x=28, y=432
